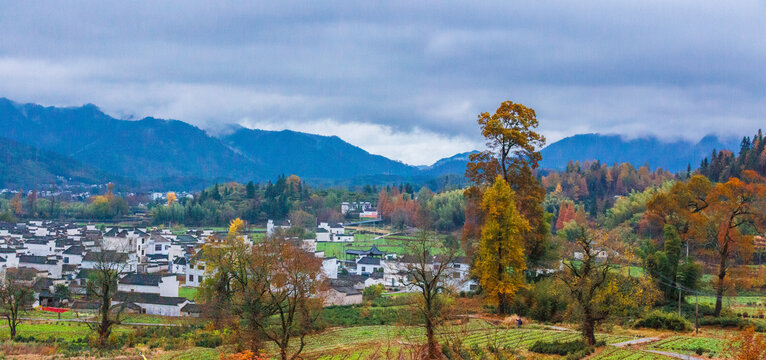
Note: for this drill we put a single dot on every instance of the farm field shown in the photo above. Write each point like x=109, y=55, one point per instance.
x=59, y=331
x=710, y=347
x=615, y=353
x=752, y=305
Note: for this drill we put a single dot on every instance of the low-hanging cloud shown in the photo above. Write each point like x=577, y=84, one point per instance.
x=402, y=79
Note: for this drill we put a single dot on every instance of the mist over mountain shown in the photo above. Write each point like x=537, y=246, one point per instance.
x=673, y=156
x=310, y=156
x=167, y=153
x=45, y=143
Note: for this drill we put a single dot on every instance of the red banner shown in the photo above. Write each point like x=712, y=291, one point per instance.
x=53, y=309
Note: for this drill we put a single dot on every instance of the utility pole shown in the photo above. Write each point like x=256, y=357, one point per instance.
x=679, y=299
x=696, y=313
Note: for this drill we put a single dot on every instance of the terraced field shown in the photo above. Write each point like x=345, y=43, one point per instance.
x=615, y=353
x=690, y=345
x=362, y=342
x=523, y=338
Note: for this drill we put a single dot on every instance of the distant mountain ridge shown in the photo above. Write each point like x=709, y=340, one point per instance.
x=158, y=152
x=320, y=157
x=171, y=154
x=673, y=156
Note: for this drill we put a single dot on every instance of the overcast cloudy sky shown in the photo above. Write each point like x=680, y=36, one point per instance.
x=404, y=79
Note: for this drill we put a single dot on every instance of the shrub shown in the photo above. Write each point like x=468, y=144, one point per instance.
x=209, y=340
x=732, y=322
x=373, y=292
x=663, y=320
x=558, y=347
x=543, y=301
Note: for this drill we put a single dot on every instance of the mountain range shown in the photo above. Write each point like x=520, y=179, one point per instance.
x=84, y=144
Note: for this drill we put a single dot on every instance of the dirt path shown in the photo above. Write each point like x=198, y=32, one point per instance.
x=636, y=342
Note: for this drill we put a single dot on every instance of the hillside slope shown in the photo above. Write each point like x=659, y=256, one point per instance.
x=22, y=165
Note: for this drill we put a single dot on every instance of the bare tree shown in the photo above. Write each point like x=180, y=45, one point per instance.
x=101, y=286
x=429, y=273
x=14, y=298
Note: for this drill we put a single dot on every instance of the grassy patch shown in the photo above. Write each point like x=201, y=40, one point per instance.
x=187, y=292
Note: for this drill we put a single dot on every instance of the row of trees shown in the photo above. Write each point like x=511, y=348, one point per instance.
x=444, y=211
x=98, y=207
x=594, y=184
x=722, y=165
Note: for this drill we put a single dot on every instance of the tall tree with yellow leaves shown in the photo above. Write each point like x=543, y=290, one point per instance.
x=513, y=153
x=500, y=262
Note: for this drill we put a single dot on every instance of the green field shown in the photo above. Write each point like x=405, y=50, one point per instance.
x=187, y=292
x=63, y=331
x=362, y=242
x=692, y=345
x=615, y=353
x=752, y=305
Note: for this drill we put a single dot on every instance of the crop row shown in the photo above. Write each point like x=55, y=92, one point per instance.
x=687, y=344
x=615, y=353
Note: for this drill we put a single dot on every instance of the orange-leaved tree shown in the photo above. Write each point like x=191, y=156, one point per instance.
x=732, y=212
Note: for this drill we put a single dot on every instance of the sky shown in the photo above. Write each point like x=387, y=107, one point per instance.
x=404, y=79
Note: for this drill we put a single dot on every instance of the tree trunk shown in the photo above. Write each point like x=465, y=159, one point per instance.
x=432, y=349
x=283, y=352
x=502, y=303
x=721, y=276
x=12, y=327
x=588, y=325
x=719, y=294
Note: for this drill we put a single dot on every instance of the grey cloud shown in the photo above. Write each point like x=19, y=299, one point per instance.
x=678, y=68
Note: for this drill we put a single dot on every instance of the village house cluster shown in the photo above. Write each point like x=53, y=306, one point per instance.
x=156, y=263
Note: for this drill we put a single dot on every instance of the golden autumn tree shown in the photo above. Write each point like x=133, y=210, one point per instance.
x=500, y=259
x=172, y=198
x=16, y=202
x=513, y=154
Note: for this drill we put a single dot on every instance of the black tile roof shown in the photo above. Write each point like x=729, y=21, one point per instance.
x=142, y=279
x=369, y=261
x=32, y=259
x=142, y=298
x=74, y=250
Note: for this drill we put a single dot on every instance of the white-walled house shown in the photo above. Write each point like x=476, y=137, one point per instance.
x=163, y=285
x=73, y=255
x=195, y=273
x=339, y=295
x=11, y=257
x=330, y=268
x=323, y=235
x=367, y=265
x=178, y=266
x=337, y=229
x=42, y=263
x=92, y=258
x=153, y=304
x=157, y=244
x=40, y=247
x=342, y=238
